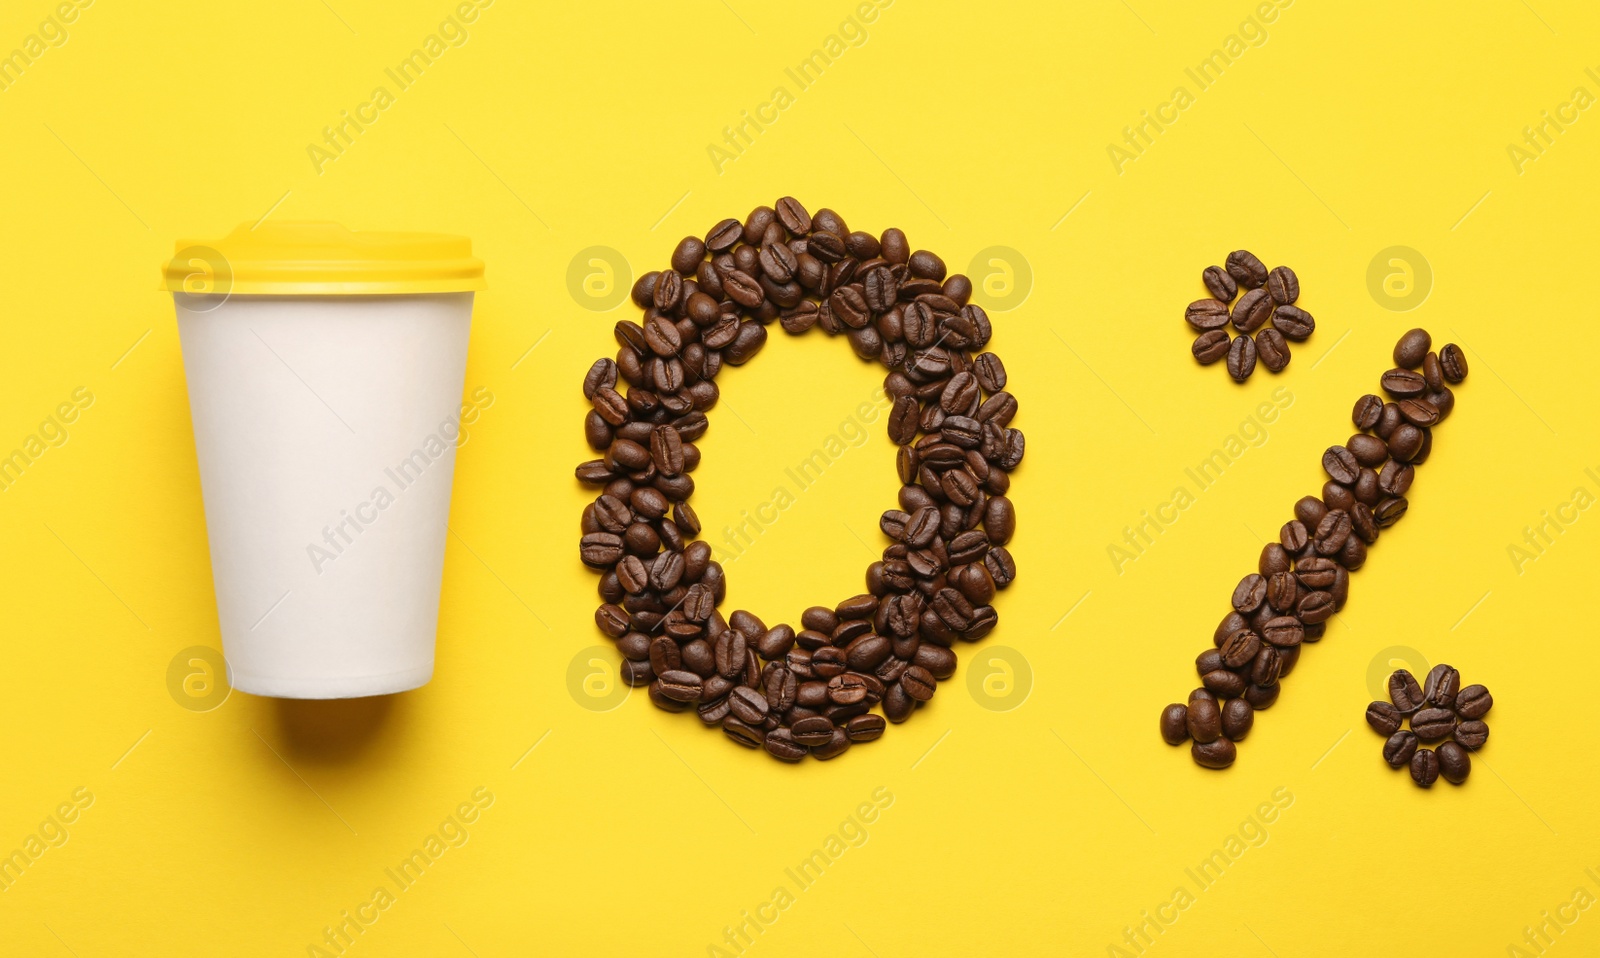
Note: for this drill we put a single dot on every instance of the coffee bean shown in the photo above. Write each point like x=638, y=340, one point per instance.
x=1453, y=363
x=1432, y=372
x=1204, y=720
x=1246, y=270
x=1396, y=478
x=1406, y=442
x=1218, y=753
x=1471, y=734
x=1221, y=285
x=1425, y=767
x=1404, y=692
x=1237, y=718
x=1403, y=384
x=1384, y=718
x=1241, y=358
x=1174, y=724
x=1283, y=285
x=1441, y=686
x=1433, y=724
x=1294, y=537
x=1224, y=683
x=1419, y=412
x=1294, y=323
x=1261, y=697
x=1332, y=532
x=1211, y=346
x=1272, y=349
x=780, y=744
x=1454, y=763
x=1367, y=410
x=1309, y=510
x=1473, y=702
x=1240, y=648
x=1206, y=314
x=1388, y=511
x=1412, y=347
x=1249, y=593
x=793, y=216
x=1284, y=631
x=1399, y=749
x=1341, y=465
x=1252, y=311
x=864, y=728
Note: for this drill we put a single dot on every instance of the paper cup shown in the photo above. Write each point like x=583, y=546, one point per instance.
x=325, y=425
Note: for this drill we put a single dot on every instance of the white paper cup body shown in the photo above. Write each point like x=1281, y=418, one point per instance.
x=326, y=431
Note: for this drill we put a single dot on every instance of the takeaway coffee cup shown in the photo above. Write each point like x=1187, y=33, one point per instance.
x=325, y=371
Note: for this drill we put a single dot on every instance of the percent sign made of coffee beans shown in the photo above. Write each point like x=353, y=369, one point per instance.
x=1304, y=578
x=811, y=690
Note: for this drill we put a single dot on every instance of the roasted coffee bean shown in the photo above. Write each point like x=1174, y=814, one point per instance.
x=1404, y=692
x=1406, y=442
x=1224, y=683
x=813, y=730
x=1294, y=537
x=1211, y=346
x=1389, y=511
x=1425, y=767
x=1246, y=270
x=1367, y=411
x=1403, y=384
x=1249, y=593
x=1284, y=631
x=1266, y=667
x=1283, y=285
x=1454, y=763
x=1396, y=478
x=1262, y=697
x=1241, y=358
x=1471, y=734
x=1251, y=312
x=1315, y=607
x=1237, y=718
x=1384, y=718
x=1473, y=702
x=1204, y=720
x=1274, y=559
x=1441, y=686
x=1219, y=283
x=1419, y=412
x=1175, y=723
x=1294, y=323
x=1272, y=349
x=1207, y=314
x=1433, y=724
x=1217, y=753
x=1341, y=465
x=1332, y=532
x=1399, y=749
x=1412, y=347
x=1453, y=363
x=1368, y=451
x=780, y=744
x=1240, y=648
x=1309, y=510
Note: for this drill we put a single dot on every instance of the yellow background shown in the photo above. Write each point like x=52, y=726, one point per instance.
x=1045, y=829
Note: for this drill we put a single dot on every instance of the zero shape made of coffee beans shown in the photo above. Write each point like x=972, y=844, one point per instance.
x=837, y=674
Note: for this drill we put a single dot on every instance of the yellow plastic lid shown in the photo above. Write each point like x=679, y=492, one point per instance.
x=306, y=258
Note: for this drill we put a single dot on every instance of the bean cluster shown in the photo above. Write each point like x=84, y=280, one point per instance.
x=811, y=690
x=1439, y=711
x=1266, y=309
x=1304, y=577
